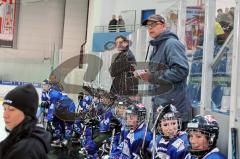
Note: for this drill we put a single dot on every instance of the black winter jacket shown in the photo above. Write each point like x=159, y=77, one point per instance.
x=121, y=69
x=34, y=147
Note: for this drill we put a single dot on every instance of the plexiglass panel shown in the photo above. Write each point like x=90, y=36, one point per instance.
x=223, y=49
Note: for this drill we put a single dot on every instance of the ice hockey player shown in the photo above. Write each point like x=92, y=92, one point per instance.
x=170, y=143
x=137, y=136
x=203, y=134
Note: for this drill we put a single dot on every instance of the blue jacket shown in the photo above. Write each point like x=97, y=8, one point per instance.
x=169, y=51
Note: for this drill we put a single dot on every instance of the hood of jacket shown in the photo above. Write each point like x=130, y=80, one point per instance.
x=43, y=136
x=162, y=37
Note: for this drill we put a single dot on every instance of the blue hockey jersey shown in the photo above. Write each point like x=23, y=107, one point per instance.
x=45, y=97
x=105, y=120
x=133, y=140
x=214, y=154
x=66, y=102
x=174, y=148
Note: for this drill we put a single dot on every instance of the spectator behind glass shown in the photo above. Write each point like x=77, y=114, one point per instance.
x=112, y=26
x=121, y=24
x=26, y=140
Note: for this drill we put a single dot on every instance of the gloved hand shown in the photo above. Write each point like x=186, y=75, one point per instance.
x=115, y=124
x=45, y=104
x=91, y=122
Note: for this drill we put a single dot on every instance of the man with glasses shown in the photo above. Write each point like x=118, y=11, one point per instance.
x=167, y=51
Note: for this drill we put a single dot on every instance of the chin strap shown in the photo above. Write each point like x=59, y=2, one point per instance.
x=200, y=153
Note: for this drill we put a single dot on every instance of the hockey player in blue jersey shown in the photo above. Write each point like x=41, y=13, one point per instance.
x=86, y=103
x=203, y=134
x=104, y=133
x=120, y=110
x=137, y=137
x=45, y=101
x=55, y=85
x=120, y=124
x=60, y=109
x=171, y=143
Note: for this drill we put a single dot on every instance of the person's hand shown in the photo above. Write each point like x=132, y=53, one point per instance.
x=145, y=75
x=138, y=73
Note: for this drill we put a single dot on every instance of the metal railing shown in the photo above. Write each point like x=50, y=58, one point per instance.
x=116, y=28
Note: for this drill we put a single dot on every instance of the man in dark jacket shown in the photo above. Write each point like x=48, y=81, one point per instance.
x=168, y=51
x=121, y=69
x=112, y=26
x=25, y=139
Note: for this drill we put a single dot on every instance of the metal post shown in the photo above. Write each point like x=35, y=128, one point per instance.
x=208, y=49
x=234, y=100
x=182, y=4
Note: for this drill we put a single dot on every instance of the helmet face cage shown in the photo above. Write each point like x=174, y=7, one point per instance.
x=135, y=116
x=45, y=85
x=120, y=109
x=207, y=126
x=199, y=149
x=169, y=125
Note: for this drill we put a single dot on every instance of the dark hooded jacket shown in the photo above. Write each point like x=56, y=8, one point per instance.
x=121, y=69
x=36, y=146
x=170, y=52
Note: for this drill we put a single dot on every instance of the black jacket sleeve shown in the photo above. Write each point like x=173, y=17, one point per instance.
x=122, y=63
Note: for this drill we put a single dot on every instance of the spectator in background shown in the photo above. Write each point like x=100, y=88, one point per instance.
x=224, y=19
x=121, y=24
x=219, y=33
x=220, y=15
x=54, y=84
x=112, y=26
x=226, y=10
x=26, y=140
x=121, y=69
x=231, y=16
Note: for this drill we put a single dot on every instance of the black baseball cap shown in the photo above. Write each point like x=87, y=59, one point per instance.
x=154, y=18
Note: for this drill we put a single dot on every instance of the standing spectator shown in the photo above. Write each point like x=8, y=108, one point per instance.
x=224, y=19
x=56, y=85
x=112, y=26
x=220, y=15
x=231, y=16
x=121, y=24
x=219, y=33
x=121, y=69
x=168, y=51
x=26, y=140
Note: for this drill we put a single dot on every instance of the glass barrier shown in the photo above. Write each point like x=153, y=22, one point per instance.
x=194, y=36
x=26, y=70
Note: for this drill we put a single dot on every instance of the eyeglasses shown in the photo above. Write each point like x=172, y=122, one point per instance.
x=152, y=25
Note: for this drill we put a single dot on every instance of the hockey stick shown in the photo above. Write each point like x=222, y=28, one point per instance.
x=234, y=143
x=145, y=133
x=111, y=145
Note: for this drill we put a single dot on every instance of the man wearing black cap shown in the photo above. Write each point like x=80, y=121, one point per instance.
x=25, y=140
x=170, y=52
